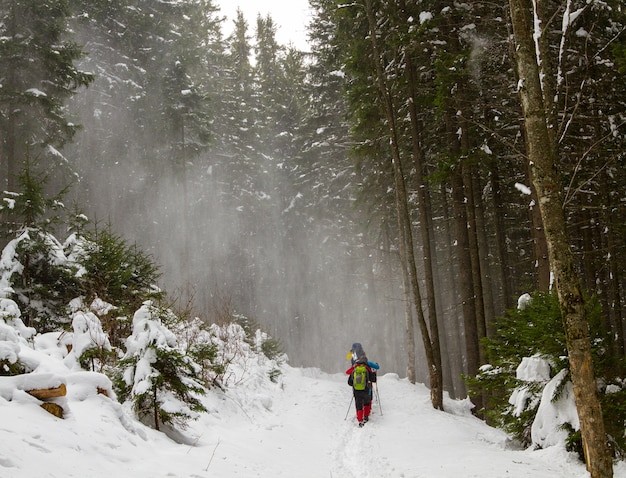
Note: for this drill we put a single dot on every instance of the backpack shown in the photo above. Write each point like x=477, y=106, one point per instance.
x=360, y=378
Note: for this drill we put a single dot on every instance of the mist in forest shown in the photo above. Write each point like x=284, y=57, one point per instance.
x=232, y=226
x=229, y=242
x=224, y=257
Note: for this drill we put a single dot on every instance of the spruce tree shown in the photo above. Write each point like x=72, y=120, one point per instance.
x=39, y=73
x=117, y=272
x=45, y=280
x=162, y=382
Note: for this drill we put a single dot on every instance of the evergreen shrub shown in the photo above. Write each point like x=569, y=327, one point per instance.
x=536, y=330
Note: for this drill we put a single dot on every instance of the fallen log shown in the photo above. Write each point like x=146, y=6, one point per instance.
x=45, y=393
x=53, y=408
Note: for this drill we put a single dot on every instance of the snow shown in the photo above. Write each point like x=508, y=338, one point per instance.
x=299, y=423
x=302, y=425
x=544, y=431
x=532, y=369
x=522, y=188
x=523, y=301
x=425, y=17
x=36, y=92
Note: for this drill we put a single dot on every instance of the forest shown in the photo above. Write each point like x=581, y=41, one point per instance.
x=381, y=187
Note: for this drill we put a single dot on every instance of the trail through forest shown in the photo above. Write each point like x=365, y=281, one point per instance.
x=257, y=428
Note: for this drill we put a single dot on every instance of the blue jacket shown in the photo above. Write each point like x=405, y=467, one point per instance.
x=373, y=365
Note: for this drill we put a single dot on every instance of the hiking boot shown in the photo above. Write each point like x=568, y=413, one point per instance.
x=361, y=424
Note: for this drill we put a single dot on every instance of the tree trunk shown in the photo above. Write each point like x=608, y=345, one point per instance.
x=614, y=278
x=45, y=393
x=12, y=158
x=543, y=159
x=483, y=255
x=453, y=320
x=504, y=270
x=465, y=266
x=404, y=220
x=436, y=373
x=540, y=247
x=473, y=251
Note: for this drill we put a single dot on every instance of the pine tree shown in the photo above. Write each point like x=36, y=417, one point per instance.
x=90, y=344
x=116, y=272
x=39, y=74
x=161, y=381
x=45, y=280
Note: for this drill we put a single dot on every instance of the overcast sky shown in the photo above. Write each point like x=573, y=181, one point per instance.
x=290, y=16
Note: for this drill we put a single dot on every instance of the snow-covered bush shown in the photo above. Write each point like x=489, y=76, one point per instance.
x=154, y=374
x=35, y=272
x=527, y=380
x=163, y=371
x=116, y=272
x=90, y=345
x=200, y=341
x=263, y=343
x=13, y=335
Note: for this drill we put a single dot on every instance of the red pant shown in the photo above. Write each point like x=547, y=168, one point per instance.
x=363, y=403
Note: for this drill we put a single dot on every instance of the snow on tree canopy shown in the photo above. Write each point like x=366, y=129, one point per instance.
x=13, y=332
x=531, y=369
x=10, y=313
x=9, y=266
x=547, y=429
x=9, y=263
x=523, y=301
x=75, y=248
x=148, y=335
x=148, y=330
x=88, y=331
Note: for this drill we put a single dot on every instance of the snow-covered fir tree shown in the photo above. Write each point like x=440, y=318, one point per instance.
x=161, y=381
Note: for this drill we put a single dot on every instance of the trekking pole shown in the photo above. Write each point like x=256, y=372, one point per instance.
x=349, y=407
x=378, y=400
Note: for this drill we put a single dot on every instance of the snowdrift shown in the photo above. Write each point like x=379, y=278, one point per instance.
x=301, y=425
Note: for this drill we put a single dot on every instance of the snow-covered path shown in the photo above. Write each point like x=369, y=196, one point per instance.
x=295, y=428
x=302, y=431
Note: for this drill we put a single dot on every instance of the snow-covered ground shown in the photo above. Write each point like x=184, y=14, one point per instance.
x=296, y=427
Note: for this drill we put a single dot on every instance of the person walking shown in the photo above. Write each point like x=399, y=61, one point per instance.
x=361, y=375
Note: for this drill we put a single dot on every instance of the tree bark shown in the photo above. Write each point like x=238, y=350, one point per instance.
x=483, y=255
x=540, y=247
x=542, y=155
x=473, y=250
x=465, y=266
x=424, y=210
x=45, y=393
x=504, y=270
x=404, y=220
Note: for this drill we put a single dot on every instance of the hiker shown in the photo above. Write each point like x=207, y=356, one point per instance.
x=361, y=375
x=357, y=352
